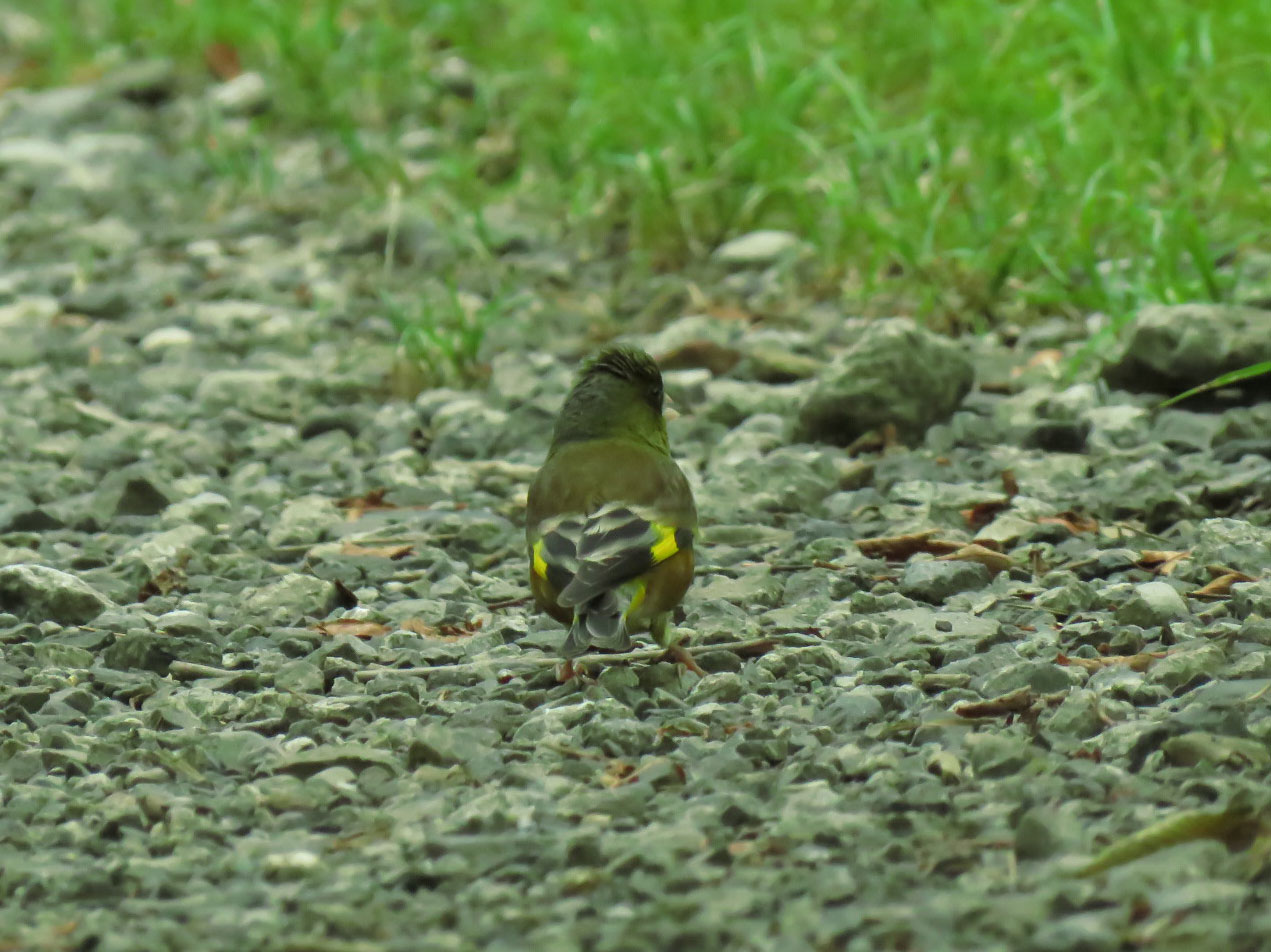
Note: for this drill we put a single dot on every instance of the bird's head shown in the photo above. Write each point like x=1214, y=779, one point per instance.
x=618, y=393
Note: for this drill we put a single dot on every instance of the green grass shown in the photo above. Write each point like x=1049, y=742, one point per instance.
x=970, y=160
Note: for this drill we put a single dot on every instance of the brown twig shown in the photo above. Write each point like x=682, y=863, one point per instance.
x=189, y=671
x=513, y=666
x=509, y=602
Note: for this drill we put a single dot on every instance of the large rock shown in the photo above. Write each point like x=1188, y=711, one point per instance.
x=1173, y=347
x=40, y=593
x=896, y=373
x=288, y=601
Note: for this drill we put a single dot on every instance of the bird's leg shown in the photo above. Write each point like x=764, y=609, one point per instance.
x=677, y=652
x=567, y=671
x=674, y=650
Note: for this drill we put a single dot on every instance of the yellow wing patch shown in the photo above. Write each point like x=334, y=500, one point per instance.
x=637, y=599
x=665, y=546
x=539, y=564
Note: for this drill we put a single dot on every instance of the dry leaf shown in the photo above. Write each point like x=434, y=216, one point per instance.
x=1135, y=662
x=1017, y=702
x=993, y=561
x=165, y=580
x=382, y=551
x=998, y=386
x=898, y=548
x=1234, y=827
x=617, y=773
x=716, y=358
x=449, y=632
x=419, y=627
x=1221, y=586
x=868, y=442
x=1162, y=561
x=1074, y=522
x=982, y=513
x=358, y=505
x=1046, y=358
x=442, y=632
x=891, y=436
x=1010, y=485
x=357, y=627
x=726, y=312
x=222, y=60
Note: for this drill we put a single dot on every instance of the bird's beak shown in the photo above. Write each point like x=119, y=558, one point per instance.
x=669, y=409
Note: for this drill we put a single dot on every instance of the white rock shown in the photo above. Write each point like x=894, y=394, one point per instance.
x=757, y=248
x=166, y=338
x=243, y=95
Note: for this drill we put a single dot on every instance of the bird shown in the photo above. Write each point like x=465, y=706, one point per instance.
x=610, y=517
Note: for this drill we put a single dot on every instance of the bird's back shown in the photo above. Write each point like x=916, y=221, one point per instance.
x=581, y=477
x=603, y=515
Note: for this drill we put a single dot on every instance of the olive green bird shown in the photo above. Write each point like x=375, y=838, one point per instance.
x=611, y=519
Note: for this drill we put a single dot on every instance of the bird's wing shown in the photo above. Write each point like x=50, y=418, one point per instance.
x=618, y=543
x=555, y=552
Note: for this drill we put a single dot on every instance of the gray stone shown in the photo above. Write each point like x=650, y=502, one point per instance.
x=290, y=600
x=133, y=493
x=1039, y=676
x=1253, y=279
x=895, y=373
x=305, y=521
x=788, y=479
x=725, y=687
x=732, y=401
x=1152, y=604
x=1244, y=424
x=152, y=651
x=1184, y=668
x=1068, y=599
x=108, y=301
x=207, y=509
x=162, y=552
x=776, y=365
x=40, y=592
x=1077, y=715
x=1233, y=543
x=166, y=340
x=1172, y=347
x=1199, y=747
x=467, y=428
x=1035, y=834
x=455, y=75
x=147, y=82
x=755, y=589
x=183, y=623
x=244, y=95
x=997, y=755
x=267, y=393
x=1257, y=630
x=933, y=581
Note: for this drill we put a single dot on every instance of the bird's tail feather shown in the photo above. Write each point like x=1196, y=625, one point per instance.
x=598, y=623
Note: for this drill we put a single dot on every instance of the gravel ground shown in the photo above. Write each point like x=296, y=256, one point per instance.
x=269, y=679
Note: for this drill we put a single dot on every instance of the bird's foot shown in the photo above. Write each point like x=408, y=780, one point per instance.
x=565, y=671
x=680, y=654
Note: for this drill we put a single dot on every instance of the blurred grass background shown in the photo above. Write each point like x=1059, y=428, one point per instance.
x=971, y=160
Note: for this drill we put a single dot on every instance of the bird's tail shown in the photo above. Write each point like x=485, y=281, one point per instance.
x=598, y=623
